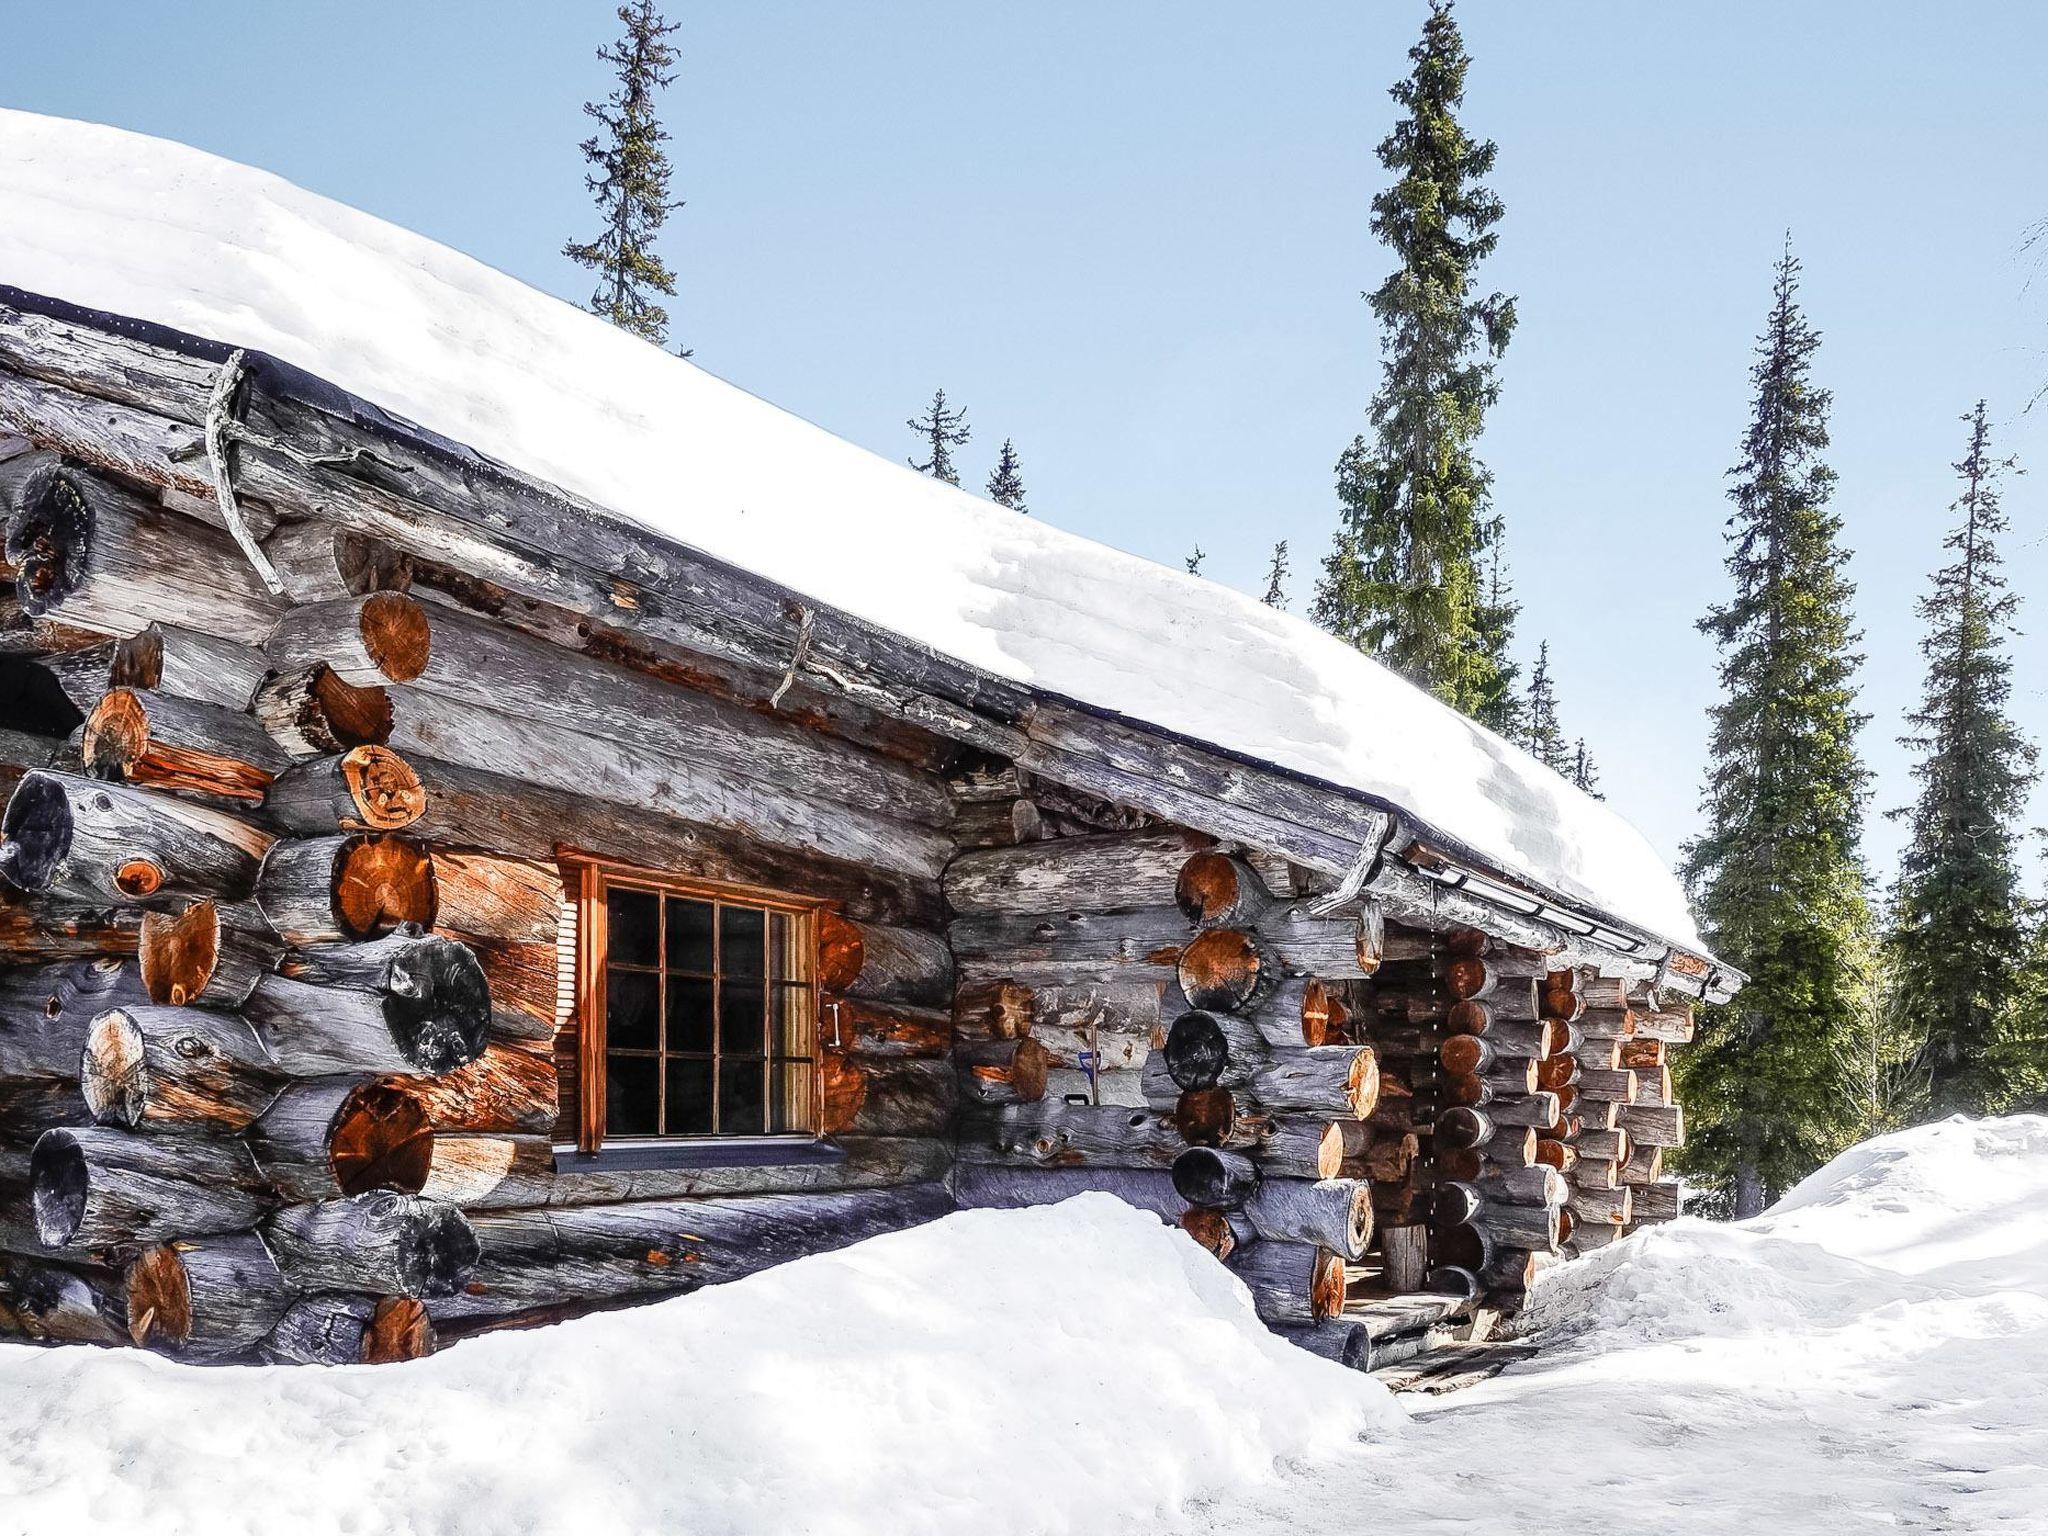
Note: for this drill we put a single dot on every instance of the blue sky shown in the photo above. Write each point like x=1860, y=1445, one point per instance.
x=1133, y=238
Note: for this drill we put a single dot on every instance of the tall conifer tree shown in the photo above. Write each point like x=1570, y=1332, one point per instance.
x=1499, y=708
x=943, y=430
x=1958, y=920
x=1585, y=773
x=1777, y=874
x=1401, y=580
x=1276, y=578
x=1006, y=481
x=1195, y=560
x=1542, y=734
x=630, y=177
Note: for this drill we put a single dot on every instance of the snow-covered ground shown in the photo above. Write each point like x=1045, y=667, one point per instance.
x=1870, y=1355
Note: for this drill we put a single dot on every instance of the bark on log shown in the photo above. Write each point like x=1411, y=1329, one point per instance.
x=1645, y=1165
x=1332, y=1213
x=383, y=637
x=1071, y=874
x=322, y=890
x=1001, y=1071
x=204, y=955
x=1537, y=1109
x=384, y=1242
x=160, y=741
x=980, y=1186
x=205, y=1298
x=351, y=1330
x=329, y=1137
x=1675, y=1028
x=94, y=1187
x=1055, y=1134
x=1614, y=1207
x=1467, y=1247
x=1538, y=1184
x=365, y=789
x=881, y=964
x=1215, y=1176
x=873, y=1096
x=1405, y=1254
x=1294, y=1283
x=1642, y=1053
x=406, y=1003
x=1463, y=1126
x=78, y=840
x=186, y=664
x=149, y=1067
x=50, y=1303
x=491, y=1172
x=1606, y=1023
x=312, y=713
x=1220, y=890
x=1337, y=1339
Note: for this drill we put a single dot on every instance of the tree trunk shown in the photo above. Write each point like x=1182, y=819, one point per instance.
x=83, y=841
x=326, y=1138
x=205, y=1298
x=148, y=1067
x=94, y=1187
x=365, y=789
x=978, y=1186
x=385, y=1242
x=322, y=890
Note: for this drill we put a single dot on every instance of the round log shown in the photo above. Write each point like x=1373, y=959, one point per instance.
x=1001, y=1071
x=158, y=1068
x=978, y=1186
x=96, y=1187
x=1520, y=1226
x=1211, y=1050
x=351, y=1330
x=187, y=665
x=52, y=1303
x=164, y=742
x=1226, y=969
x=1332, y=1213
x=1466, y=1055
x=365, y=789
x=383, y=637
x=886, y=1096
x=205, y=1297
x=1336, y=1339
x=1404, y=1249
x=1291, y=1282
x=322, y=890
x=1221, y=1232
x=875, y=963
x=1220, y=890
x=92, y=842
x=330, y=1137
x=1466, y=1246
x=1452, y=1280
x=1463, y=1126
x=1453, y=1202
x=410, y=1002
x=384, y=1242
x=313, y=713
x=46, y=1013
x=1537, y=1184
x=481, y=1172
x=202, y=955
x=1215, y=1176
x=1337, y=1080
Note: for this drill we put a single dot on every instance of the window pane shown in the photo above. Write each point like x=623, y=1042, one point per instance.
x=689, y=1014
x=739, y=1098
x=689, y=935
x=740, y=941
x=630, y=1096
x=632, y=1007
x=742, y=1019
x=630, y=918
x=689, y=1096
x=791, y=1028
x=784, y=963
x=789, y=1098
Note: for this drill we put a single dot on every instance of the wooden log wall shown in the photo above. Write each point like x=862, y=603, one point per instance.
x=281, y=1024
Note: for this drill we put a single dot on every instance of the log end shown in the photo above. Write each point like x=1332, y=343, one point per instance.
x=1221, y=969
x=50, y=537
x=1210, y=1228
x=178, y=954
x=437, y=1005
x=396, y=635
x=35, y=833
x=159, y=1299
x=113, y=1076
x=1326, y=1283
x=1210, y=888
x=387, y=794
x=381, y=881
x=399, y=1329
x=382, y=1138
x=116, y=735
x=59, y=1184
x=841, y=953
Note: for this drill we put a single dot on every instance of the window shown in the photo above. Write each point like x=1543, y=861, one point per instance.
x=697, y=1006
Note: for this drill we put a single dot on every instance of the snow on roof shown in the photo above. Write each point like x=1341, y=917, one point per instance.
x=156, y=231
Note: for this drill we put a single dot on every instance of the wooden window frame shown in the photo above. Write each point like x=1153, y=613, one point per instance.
x=592, y=879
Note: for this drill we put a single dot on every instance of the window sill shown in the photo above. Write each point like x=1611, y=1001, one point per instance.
x=766, y=1152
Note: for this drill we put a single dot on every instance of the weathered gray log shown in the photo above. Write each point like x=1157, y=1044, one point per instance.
x=1464, y=1126
x=205, y=954
x=1342, y=1081
x=1332, y=1213
x=1001, y=1071
x=96, y=1187
x=1606, y=1024
x=490, y=896
x=1614, y=1207
x=313, y=713
x=1539, y=1184
x=383, y=1242
x=371, y=640
x=1655, y=1125
x=156, y=1068
x=318, y=562
x=1616, y=1145
x=1301, y=1010
x=161, y=741
x=323, y=890
x=885, y=1029
x=366, y=789
x=1674, y=1028
x=1290, y=1282
x=1520, y=1226
x=874, y=963
x=188, y=664
x=98, y=557
x=978, y=1185
x=325, y=1138
x=1071, y=874
x=1404, y=1251
x=413, y=1003
x=46, y=1302
x=1645, y=1165
x=876, y=1096
x=1338, y=1339
x=351, y=1330
x=1219, y=890
x=1221, y=1232
x=205, y=1297
x=491, y=1172
x=1467, y=1246
x=1055, y=1134
x=46, y=1013
x=586, y=1253
x=1215, y=1176
x=1537, y=1109
x=1212, y=1050
x=1284, y=1146
x=76, y=839
x=1655, y=1202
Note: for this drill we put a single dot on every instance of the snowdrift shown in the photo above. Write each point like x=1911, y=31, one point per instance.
x=1071, y=1368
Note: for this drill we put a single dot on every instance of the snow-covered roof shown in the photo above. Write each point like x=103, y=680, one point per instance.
x=156, y=231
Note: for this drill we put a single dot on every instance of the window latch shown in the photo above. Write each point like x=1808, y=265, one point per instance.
x=832, y=1008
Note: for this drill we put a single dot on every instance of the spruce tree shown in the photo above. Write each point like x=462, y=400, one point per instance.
x=1777, y=873
x=1499, y=708
x=1542, y=736
x=1006, y=481
x=1276, y=578
x=943, y=430
x=1195, y=560
x=1958, y=913
x=1585, y=773
x=629, y=179
x=1401, y=582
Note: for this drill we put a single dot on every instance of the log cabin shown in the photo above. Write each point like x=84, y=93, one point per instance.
x=499, y=822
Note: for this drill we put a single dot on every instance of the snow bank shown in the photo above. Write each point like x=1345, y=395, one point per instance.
x=160, y=232
x=1074, y=1368
x=1870, y=1354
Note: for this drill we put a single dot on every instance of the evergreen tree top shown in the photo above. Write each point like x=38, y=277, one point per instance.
x=1276, y=578
x=1006, y=480
x=943, y=430
x=1544, y=736
x=1195, y=560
